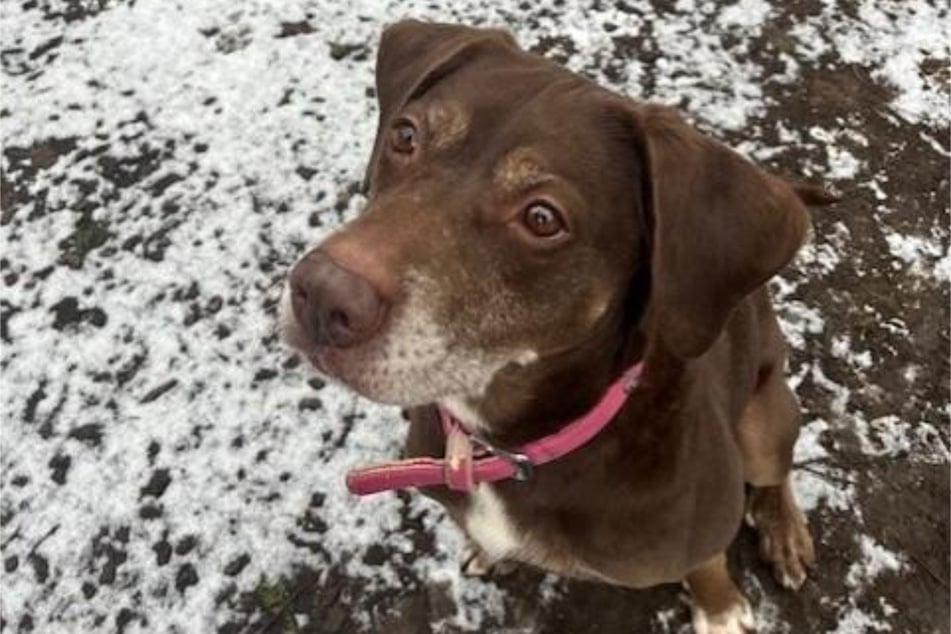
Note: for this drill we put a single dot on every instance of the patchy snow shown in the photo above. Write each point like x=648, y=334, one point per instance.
x=162, y=451
x=840, y=164
x=745, y=13
x=815, y=481
x=890, y=436
x=800, y=320
x=876, y=560
x=820, y=258
x=842, y=348
x=897, y=37
x=925, y=257
x=854, y=620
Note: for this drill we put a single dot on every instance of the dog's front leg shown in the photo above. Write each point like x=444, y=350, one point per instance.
x=718, y=607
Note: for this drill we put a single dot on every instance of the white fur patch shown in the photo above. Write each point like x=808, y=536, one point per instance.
x=488, y=525
x=467, y=416
x=737, y=620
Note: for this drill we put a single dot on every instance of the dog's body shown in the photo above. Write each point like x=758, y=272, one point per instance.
x=657, y=492
x=528, y=237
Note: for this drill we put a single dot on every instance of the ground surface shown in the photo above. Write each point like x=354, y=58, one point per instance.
x=167, y=466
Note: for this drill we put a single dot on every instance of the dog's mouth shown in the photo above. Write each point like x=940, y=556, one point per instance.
x=364, y=370
x=412, y=360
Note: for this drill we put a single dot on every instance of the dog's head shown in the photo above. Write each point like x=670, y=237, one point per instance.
x=515, y=211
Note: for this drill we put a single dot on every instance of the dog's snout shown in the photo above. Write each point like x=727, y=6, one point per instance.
x=334, y=306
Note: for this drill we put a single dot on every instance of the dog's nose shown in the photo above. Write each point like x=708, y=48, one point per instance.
x=334, y=306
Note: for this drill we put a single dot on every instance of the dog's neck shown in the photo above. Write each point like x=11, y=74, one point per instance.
x=524, y=403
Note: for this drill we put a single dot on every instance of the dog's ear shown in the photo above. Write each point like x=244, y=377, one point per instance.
x=413, y=56
x=721, y=228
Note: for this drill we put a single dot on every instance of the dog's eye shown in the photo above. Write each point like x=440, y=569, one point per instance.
x=543, y=220
x=404, y=137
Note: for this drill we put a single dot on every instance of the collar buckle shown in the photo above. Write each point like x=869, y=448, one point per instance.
x=523, y=465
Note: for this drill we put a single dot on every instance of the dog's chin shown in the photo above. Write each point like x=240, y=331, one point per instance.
x=373, y=378
x=388, y=374
x=408, y=377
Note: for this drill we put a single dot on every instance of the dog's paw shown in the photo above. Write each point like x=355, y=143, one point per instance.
x=475, y=563
x=738, y=619
x=784, y=539
x=789, y=548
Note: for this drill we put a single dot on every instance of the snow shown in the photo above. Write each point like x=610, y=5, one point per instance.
x=745, y=13
x=898, y=36
x=925, y=257
x=255, y=141
x=876, y=559
x=856, y=621
x=892, y=437
x=818, y=483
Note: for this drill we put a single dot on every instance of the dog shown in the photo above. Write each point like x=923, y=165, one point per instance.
x=531, y=241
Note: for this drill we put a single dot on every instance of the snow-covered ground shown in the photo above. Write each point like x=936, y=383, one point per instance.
x=168, y=466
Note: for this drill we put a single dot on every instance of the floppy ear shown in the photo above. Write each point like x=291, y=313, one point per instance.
x=721, y=228
x=413, y=56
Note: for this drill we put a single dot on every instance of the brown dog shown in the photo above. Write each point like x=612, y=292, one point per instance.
x=528, y=236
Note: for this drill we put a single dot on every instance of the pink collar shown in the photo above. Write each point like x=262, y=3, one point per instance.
x=462, y=469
